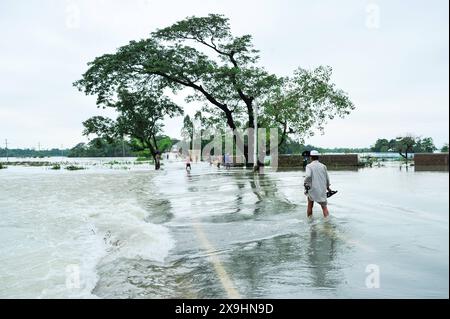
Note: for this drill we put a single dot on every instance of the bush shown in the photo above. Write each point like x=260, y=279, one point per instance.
x=114, y=162
x=56, y=166
x=74, y=168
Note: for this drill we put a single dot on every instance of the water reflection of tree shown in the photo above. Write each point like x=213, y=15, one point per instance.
x=239, y=195
x=263, y=186
x=269, y=199
x=298, y=261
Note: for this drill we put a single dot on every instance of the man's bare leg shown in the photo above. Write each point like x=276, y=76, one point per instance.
x=325, y=211
x=309, y=210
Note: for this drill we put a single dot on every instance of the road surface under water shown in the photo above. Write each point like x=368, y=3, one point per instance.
x=217, y=233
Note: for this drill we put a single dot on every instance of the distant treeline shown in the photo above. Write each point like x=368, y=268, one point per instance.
x=292, y=147
x=99, y=147
x=17, y=152
x=102, y=148
x=414, y=145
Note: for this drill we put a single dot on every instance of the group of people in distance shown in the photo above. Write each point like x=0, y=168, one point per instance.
x=226, y=160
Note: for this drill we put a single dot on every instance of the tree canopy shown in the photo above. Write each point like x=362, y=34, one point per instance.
x=222, y=71
x=403, y=144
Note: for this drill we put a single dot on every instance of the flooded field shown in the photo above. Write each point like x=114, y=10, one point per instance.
x=120, y=230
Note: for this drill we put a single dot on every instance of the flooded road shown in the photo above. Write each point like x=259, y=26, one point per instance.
x=217, y=233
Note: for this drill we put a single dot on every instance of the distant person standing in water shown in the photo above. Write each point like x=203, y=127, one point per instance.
x=317, y=183
x=227, y=161
x=305, y=155
x=188, y=163
x=218, y=159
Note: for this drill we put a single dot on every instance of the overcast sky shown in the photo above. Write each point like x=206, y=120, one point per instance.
x=390, y=56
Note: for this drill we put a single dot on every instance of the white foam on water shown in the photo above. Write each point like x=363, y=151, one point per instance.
x=128, y=236
x=57, y=228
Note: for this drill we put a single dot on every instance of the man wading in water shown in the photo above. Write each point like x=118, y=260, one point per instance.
x=317, y=183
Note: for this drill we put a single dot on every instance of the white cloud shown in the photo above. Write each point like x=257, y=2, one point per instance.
x=397, y=74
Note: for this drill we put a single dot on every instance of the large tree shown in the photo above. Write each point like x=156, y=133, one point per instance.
x=381, y=145
x=140, y=116
x=201, y=54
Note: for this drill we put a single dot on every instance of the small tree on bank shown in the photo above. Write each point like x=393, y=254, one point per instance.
x=405, y=145
x=410, y=144
x=140, y=117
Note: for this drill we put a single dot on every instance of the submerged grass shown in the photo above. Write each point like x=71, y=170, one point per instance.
x=74, y=168
x=144, y=159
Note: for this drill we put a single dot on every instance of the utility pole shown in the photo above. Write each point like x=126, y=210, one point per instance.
x=255, y=137
x=123, y=147
x=6, y=148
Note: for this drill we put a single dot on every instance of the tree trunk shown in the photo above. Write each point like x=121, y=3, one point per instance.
x=404, y=156
x=155, y=156
x=157, y=159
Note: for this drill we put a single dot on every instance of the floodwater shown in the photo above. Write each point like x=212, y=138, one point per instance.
x=217, y=233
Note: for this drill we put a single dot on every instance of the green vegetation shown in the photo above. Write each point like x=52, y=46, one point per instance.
x=292, y=147
x=2, y=166
x=383, y=145
x=444, y=148
x=56, y=166
x=221, y=70
x=99, y=147
x=368, y=162
x=405, y=144
x=144, y=159
x=114, y=162
x=16, y=152
x=74, y=168
x=140, y=115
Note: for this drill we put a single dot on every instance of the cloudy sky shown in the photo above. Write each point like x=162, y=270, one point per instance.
x=391, y=57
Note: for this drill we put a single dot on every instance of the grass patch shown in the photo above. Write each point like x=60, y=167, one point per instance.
x=113, y=163
x=144, y=159
x=74, y=168
x=56, y=167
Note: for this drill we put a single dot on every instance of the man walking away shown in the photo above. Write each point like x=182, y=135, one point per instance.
x=317, y=183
